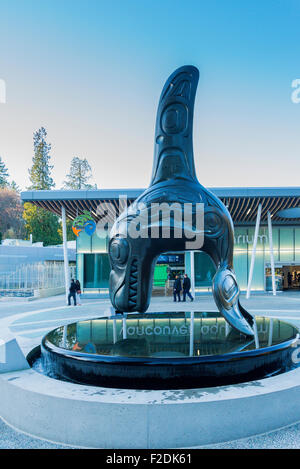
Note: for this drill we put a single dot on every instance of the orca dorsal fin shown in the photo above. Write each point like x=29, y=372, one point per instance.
x=173, y=147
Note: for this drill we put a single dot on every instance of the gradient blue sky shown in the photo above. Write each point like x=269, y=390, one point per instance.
x=91, y=72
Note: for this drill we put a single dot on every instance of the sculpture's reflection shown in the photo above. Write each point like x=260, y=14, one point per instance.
x=167, y=335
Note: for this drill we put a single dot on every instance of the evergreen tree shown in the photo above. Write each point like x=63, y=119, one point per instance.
x=3, y=174
x=80, y=175
x=42, y=224
x=78, y=178
x=40, y=172
x=14, y=186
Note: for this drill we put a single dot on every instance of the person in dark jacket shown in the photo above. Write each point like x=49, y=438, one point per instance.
x=72, y=293
x=186, y=288
x=78, y=292
x=177, y=288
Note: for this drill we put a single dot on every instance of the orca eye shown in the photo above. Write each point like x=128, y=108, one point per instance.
x=119, y=250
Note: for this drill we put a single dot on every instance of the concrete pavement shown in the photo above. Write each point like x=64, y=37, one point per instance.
x=30, y=320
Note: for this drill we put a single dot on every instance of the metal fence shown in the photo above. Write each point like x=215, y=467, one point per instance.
x=30, y=277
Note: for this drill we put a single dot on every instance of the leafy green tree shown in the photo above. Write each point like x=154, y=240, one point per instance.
x=3, y=174
x=70, y=233
x=42, y=224
x=79, y=176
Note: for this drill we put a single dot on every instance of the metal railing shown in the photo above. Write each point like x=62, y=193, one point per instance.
x=30, y=277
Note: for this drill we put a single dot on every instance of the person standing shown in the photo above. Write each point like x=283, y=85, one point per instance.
x=72, y=293
x=177, y=288
x=186, y=288
x=78, y=292
x=289, y=277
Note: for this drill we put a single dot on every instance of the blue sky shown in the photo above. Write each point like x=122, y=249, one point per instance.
x=91, y=72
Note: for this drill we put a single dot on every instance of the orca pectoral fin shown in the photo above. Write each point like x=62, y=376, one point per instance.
x=249, y=318
x=226, y=295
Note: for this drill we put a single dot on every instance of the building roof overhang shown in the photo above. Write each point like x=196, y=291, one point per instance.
x=242, y=202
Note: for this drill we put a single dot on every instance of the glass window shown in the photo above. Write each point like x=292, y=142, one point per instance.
x=79, y=267
x=96, y=271
x=83, y=242
x=243, y=238
x=286, y=240
x=240, y=256
x=98, y=244
x=278, y=279
x=297, y=244
x=240, y=264
x=258, y=279
x=240, y=239
x=262, y=239
x=275, y=239
x=204, y=270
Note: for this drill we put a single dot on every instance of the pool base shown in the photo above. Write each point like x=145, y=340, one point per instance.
x=94, y=417
x=87, y=416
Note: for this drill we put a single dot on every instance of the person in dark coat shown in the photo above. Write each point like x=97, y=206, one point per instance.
x=72, y=292
x=177, y=288
x=78, y=292
x=289, y=277
x=186, y=288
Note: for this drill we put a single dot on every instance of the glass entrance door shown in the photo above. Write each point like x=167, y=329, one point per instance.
x=96, y=271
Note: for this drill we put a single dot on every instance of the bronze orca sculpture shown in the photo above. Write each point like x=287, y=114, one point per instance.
x=174, y=181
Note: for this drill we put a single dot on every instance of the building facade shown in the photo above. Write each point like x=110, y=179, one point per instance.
x=281, y=203
x=26, y=267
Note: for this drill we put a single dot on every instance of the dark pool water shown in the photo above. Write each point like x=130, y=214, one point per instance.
x=166, y=350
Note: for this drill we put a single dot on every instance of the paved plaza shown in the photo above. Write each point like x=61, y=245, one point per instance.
x=30, y=320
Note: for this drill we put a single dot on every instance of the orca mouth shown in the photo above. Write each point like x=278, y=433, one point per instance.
x=133, y=284
x=120, y=301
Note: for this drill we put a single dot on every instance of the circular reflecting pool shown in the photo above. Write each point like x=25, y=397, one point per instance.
x=166, y=351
